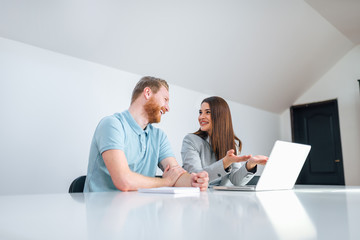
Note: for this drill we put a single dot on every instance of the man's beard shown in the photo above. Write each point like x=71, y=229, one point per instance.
x=153, y=111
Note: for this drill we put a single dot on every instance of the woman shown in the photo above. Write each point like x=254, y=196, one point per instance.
x=215, y=148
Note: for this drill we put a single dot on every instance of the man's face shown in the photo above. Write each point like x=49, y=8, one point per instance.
x=157, y=105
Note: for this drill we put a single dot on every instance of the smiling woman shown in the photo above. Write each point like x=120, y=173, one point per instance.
x=215, y=147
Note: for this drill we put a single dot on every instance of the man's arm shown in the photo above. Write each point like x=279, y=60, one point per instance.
x=200, y=179
x=126, y=180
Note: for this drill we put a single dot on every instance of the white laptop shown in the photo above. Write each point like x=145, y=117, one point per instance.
x=281, y=170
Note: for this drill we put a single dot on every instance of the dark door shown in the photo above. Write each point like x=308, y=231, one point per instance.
x=317, y=124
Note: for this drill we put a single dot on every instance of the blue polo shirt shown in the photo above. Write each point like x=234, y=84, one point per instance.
x=144, y=149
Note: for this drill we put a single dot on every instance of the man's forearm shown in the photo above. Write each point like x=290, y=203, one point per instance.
x=123, y=178
x=200, y=180
x=133, y=181
x=184, y=180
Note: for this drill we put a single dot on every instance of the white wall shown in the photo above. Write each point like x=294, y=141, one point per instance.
x=51, y=103
x=339, y=82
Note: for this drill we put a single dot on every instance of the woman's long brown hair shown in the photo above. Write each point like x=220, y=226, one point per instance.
x=222, y=137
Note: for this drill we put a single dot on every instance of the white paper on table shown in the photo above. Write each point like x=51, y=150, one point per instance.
x=171, y=190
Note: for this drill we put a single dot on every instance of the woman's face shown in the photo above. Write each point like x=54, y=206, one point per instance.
x=205, y=118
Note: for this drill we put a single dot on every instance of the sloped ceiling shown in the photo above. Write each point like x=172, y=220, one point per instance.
x=260, y=53
x=342, y=14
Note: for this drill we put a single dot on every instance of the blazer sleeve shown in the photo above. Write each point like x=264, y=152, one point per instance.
x=239, y=175
x=193, y=162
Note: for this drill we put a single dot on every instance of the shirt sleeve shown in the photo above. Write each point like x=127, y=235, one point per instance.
x=109, y=134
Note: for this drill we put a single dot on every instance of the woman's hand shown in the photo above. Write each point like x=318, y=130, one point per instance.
x=232, y=158
x=255, y=160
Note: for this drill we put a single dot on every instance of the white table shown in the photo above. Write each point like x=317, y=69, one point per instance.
x=308, y=212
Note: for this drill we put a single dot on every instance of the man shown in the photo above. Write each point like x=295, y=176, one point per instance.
x=126, y=149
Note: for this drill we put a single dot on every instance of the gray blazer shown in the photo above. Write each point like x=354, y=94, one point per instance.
x=197, y=156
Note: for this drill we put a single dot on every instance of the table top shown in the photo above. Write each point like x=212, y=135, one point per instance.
x=307, y=212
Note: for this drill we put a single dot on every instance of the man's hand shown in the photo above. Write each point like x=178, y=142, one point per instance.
x=200, y=180
x=172, y=174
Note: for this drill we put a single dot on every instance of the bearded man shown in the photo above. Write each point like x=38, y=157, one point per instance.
x=126, y=149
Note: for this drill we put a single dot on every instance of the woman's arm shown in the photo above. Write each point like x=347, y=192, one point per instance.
x=194, y=161
x=241, y=175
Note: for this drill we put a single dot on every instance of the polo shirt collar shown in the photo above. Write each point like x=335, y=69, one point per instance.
x=134, y=125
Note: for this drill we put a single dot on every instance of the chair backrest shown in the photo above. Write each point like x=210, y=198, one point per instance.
x=77, y=185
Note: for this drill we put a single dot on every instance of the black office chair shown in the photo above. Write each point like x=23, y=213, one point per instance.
x=77, y=185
